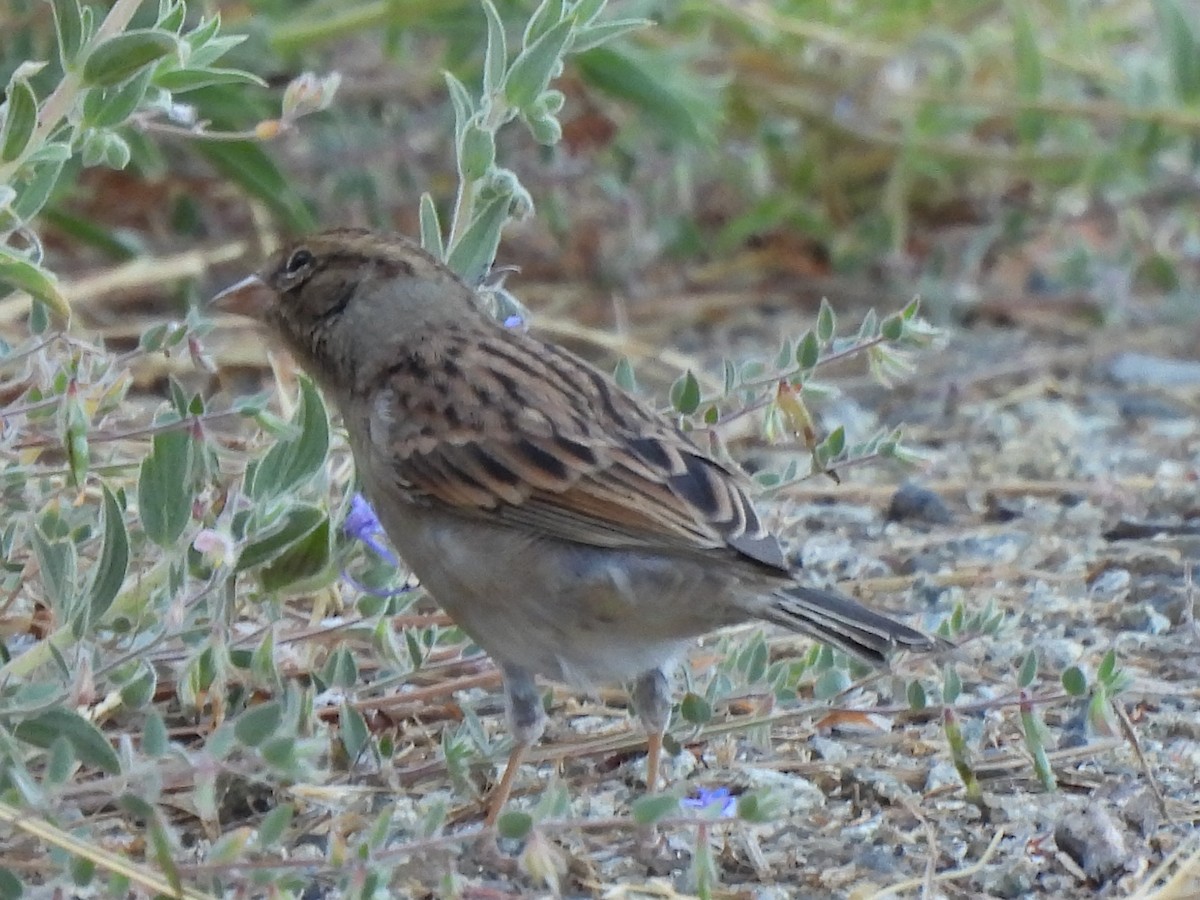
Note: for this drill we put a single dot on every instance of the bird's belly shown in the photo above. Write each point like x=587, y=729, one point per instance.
x=579, y=614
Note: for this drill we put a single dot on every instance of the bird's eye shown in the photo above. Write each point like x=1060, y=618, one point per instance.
x=299, y=260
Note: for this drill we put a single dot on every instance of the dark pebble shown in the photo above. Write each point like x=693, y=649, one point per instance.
x=911, y=502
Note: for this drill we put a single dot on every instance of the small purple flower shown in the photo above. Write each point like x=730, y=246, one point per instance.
x=707, y=800
x=363, y=525
x=514, y=321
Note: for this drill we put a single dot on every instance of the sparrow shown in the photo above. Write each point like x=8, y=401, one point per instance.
x=569, y=528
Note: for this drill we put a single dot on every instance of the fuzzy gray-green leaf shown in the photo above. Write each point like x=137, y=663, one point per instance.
x=123, y=56
x=91, y=746
x=109, y=572
x=19, y=120
x=164, y=487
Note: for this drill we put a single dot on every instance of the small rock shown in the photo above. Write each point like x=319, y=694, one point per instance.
x=1111, y=583
x=828, y=750
x=911, y=502
x=1001, y=509
x=1141, y=811
x=1094, y=840
x=1144, y=369
x=941, y=774
x=1149, y=406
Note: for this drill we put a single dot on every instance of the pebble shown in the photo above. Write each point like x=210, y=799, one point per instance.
x=1094, y=840
x=1144, y=369
x=913, y=503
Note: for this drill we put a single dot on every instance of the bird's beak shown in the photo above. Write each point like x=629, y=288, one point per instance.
x=249, y=297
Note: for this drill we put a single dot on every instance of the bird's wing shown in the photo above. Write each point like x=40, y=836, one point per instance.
x=529, y=434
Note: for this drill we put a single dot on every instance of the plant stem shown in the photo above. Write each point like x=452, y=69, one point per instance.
x=60, y=101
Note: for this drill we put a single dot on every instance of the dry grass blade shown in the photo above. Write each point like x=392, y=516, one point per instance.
x=103, y=859
x=1183, y=883
x=954, y=875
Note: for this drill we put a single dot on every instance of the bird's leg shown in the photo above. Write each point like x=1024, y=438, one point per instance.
x=526, y=722
x=652, y=700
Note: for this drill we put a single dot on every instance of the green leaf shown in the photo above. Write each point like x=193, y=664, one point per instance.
x=23, y=275
x=110, y=107
x=10, y=885
x=808, y=351
x=548, y=14
x=756, y=806
x=951, y=684
x=19, y=120
x=531, y=71
x=730, y=376
x=514, y=825
x=624, y=376
x=61, y=761
x=431, y=228
x=546, y=129
x=70, y=30
x=180, y=81
x=139, y=690
x=229, y=848
x=476, y=152
x=472, y=256
x=654, y=808
x=163, y=850
x=290, y=462
x=595, y=35
x=629, y=77
x=587, y=11
x=258, y=723
x=1074, y=682
x=1028, y=672
x=56, y=561
x=205, y=33
x=248, y=165
x=273, y=826
x=306, y=559
x=262, y=661
x=831, y=683
x=91, y=746
x=1181, y=46
x=135, y=805
x=155, y=740
x=1027, y=60
x=892, y=327
x=354, y=731
x=165, y=487
x=917, y=699
x=171, y=15
x=826, y=322
x=685, y=393
x=695, y=709
x=756, y=660
x=340, y=670
x=460, y=99
x=1108, y=666
x=45, y=167
x=123, y=56
x=495, y=57
x=833, y=445
x=109, y=572
x=298, y=522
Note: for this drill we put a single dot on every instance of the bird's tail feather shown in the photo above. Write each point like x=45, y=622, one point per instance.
x=846, y=624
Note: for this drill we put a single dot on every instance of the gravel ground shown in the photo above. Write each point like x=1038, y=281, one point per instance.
x=1061, y=489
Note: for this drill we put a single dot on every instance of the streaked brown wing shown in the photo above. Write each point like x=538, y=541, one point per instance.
x=553, y=446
